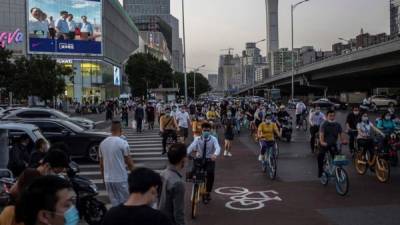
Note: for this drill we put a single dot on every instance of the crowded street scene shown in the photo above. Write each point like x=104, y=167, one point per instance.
x=106, y=117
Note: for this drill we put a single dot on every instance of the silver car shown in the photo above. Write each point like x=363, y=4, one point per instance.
x=30, y=113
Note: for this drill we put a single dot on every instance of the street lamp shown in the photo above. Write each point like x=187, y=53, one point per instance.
x=348, y=41
x=194, y=80
x=292, y=10
x=184, y=51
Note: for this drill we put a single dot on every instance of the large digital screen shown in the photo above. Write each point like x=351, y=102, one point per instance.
x=65, y=26
x=117, y=76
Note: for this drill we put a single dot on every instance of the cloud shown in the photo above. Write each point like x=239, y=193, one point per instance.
x=80, y=4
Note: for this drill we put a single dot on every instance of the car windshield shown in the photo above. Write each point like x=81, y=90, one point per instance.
x=73, y=126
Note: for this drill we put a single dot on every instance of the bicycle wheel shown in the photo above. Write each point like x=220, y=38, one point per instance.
x=361, y=163
x=324, y=178
x=304, y=124
x=272, y=167
x=342, y=181
x=382, y=170
x=195, y=200
x=276, y=150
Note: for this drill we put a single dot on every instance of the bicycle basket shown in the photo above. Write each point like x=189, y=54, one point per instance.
x=340, y=160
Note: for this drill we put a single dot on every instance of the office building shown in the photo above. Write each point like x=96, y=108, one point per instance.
x=229, y=73
x=138, y=9
x=272, y=25
x=394, y=17
x=97, y=64
x=280, y=61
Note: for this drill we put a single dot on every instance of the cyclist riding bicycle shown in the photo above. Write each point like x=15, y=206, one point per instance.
x=196, y=125
x=301, y=110
x=316, y=119
x=206, y=149
x=168, y=128
x=267, y=131
x=352, y=120
x=282, y=113
x=386, y=124
x=365, y=129
x=329, y=134
x=212, y=115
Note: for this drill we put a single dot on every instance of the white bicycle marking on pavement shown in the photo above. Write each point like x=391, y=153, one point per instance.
x=245, y=200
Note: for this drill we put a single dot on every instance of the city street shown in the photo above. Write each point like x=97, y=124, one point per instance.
x=295, y=197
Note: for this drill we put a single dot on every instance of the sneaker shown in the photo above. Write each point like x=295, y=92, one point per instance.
x=260, y=157
x=225, y=153
x=229, y=154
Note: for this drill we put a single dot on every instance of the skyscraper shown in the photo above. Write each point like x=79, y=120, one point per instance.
x=138, y=9
x=394, y=16
x=272, y=25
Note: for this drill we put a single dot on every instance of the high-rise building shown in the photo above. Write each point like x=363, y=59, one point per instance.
x=138, y=9
x=272, y=25
x=394, y=17
x=213, y=80
x=229, y=73
x=281, y=60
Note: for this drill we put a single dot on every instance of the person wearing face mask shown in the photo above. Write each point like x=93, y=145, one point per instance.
x=174, y=111
x=365, y=130
x=172, y=197
x=41, y=148
x=386, y=124
x=48, y=200
x=352, y=120
x=183, y=120
x=168, y=127
x=196, y=125
x=206, y=149
x=229, y=124
x=212, y=115
x=144, y=185
x=267, y=131
x=53, y=163
x=329, y=134
x=316, y=119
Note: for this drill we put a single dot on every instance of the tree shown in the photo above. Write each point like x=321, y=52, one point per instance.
x=7, y=70
x=39, y=76
x=202, y=84
x=145, y=72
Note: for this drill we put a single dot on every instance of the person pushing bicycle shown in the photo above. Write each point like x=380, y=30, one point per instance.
x=205, y=149
x=267, y=131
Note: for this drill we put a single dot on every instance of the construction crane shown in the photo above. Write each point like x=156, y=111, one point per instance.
x=228, y=49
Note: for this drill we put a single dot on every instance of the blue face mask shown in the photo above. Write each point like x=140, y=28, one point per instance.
x=71, y=216
x=206, y=134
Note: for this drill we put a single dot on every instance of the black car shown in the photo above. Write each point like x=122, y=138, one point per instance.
x=325, y=103
x=342, y=105
x=71, y=138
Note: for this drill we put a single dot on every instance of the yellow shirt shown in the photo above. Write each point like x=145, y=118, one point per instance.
x=7, y=217
x=211, y=115
x=268, y=131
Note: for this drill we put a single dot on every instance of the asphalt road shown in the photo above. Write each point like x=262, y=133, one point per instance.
x=297, y=196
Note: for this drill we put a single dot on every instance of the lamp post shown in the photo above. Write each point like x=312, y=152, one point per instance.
x=184, y=51
x=194, y=80
x=348, y=41
x=293, y=6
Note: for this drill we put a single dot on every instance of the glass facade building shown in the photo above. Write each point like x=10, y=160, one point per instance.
x=394, y=17
x=147, y=7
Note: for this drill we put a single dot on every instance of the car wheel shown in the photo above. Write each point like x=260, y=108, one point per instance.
x=93, y=152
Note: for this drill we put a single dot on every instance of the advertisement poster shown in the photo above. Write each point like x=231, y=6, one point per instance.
x=65, y=26
x=117, y=76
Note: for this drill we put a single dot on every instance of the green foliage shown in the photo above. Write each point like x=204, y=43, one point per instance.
x=146, y=72
x=37, y=76
x=202, y=84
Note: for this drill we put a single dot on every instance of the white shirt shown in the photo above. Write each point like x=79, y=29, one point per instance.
x=182, y=118
x=212, y=147
x=113, y=151
x=71, y=26
x=300, y=107
x=52, y=24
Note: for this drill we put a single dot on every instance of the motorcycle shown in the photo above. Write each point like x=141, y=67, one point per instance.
x=89, y=208
x=286, y=126
x=368, y=107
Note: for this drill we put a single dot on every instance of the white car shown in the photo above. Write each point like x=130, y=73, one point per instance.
x=382, y=101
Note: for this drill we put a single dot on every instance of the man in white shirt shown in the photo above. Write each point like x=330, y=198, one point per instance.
x=71, y=27
x=300, y=110
x=35, y=24
x=114, y=158
x=86, y=29
x=207, y=150
x=183, y=119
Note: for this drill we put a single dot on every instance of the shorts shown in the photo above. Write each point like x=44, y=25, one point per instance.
x=228, y=136
x=183, y=132
x=118, y=192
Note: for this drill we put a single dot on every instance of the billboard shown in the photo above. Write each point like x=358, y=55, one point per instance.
x=64, y=27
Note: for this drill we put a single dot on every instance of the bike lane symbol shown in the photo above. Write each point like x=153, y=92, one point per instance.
x=243, y=199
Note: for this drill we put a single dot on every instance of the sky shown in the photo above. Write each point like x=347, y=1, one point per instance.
x=212, y=25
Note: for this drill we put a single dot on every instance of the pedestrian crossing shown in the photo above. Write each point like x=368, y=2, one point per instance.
x=145, y=149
